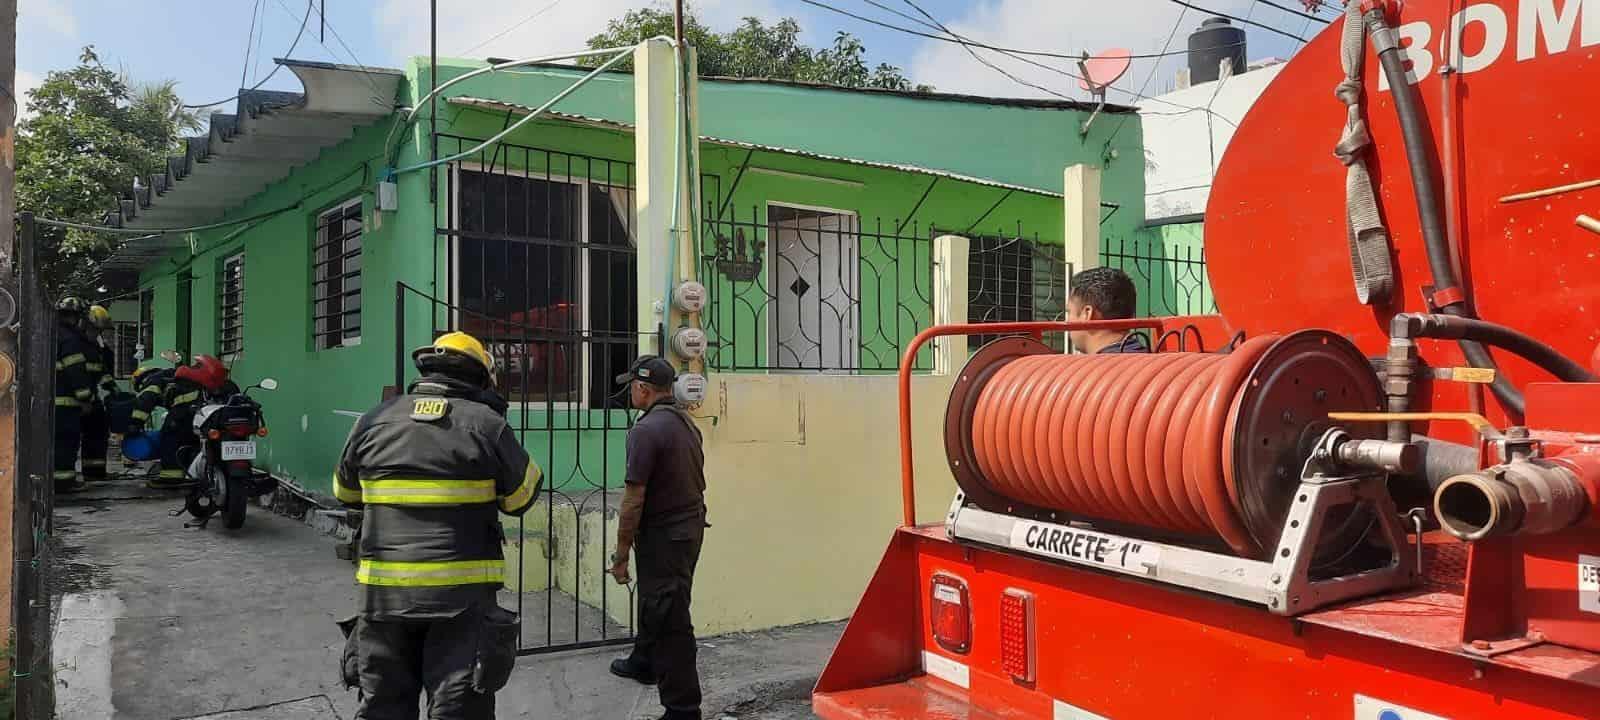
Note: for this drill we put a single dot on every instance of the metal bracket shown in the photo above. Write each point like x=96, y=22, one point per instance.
x=1284, y=584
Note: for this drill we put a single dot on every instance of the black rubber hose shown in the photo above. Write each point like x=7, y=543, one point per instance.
x=1422, y=158
x=1450, y=327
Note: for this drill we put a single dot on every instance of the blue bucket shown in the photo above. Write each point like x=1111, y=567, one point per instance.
x=143, y=446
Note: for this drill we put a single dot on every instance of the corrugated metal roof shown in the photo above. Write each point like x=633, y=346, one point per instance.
x=501, y=106
x=270, y=134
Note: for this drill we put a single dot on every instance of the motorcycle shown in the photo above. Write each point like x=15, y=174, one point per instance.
x=223, y=472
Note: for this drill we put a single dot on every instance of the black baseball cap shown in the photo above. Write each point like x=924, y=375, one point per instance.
x=651, y=369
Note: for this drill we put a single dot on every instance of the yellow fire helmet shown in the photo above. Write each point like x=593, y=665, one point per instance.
x=458, y=343
x=99, y=317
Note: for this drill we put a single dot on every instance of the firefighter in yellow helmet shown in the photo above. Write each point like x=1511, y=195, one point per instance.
x=431, y=470
x=74, y=390
x=96, y=423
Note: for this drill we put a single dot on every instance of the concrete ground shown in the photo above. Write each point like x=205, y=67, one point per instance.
x=158, y=622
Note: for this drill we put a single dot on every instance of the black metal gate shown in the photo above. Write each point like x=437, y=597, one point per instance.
x=535, y=250
x=31, y=417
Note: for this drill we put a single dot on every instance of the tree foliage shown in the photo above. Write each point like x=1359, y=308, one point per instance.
x=755, y=49
x=89, y=136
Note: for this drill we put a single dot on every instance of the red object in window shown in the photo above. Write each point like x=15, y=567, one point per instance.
x=1016, y=634
x=952, y=613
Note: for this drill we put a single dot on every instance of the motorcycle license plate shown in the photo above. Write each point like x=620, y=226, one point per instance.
x=239, y=450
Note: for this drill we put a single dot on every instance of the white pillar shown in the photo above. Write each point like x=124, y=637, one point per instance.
x=950, y=301
x=1081, y=198
x=656, y=154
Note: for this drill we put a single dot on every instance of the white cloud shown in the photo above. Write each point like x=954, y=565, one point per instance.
x=26, y=82
x=54, y=15
x=566, y=25
x=1064, y=26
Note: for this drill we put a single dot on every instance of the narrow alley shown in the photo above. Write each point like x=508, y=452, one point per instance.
x=157, y=621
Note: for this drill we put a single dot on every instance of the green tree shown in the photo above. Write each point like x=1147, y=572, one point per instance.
x=89, y=136
x=757, y=50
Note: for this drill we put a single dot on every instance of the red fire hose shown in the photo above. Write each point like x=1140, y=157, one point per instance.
x=1137, y=439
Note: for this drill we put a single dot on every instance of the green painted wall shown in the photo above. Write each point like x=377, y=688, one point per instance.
x=321, y=390
x=1017, y=145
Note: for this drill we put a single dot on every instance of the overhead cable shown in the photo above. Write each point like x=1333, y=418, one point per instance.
x=1243, y=21
x=303, y=23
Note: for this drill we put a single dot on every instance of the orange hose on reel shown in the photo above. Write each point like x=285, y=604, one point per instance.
x=1134, y=438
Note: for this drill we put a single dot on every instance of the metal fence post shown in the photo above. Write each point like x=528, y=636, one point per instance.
x=399, y=337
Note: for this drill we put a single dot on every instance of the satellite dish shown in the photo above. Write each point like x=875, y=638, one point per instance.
x=1104, y=68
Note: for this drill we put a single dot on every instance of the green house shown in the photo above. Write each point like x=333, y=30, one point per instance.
x=818, y=212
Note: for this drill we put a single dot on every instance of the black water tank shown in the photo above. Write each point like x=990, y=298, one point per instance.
x=1214, y=41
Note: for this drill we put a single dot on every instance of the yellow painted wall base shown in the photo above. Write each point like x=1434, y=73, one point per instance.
x=803, y=486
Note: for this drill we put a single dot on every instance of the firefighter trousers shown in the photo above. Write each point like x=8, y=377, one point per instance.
x=665, y=560
x=178, y=442
x=96, y=442
x=458, y=663
x=68, y=434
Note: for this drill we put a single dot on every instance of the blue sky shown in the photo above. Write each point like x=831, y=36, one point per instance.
x=201, y=43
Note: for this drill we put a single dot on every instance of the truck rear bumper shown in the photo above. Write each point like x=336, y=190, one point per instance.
x=920, y=697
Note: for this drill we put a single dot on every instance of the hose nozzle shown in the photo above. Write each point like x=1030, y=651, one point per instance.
x=1524, y=496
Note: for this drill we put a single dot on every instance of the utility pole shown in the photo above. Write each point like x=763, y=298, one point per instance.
x=15, y=521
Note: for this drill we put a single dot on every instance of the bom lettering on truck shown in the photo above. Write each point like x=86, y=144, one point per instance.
x=1541, y=28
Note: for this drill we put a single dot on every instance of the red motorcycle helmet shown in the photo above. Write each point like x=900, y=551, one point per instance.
x=205, y=371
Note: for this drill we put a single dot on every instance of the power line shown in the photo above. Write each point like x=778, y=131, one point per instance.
x=1291, y=11
x=366, y=72
x=959, y=39
x=974, y=53
x=510, y=28
x=249, y=42
x=1244, y=21
x=303, y=23
x=1176, y=25
x=962, y=40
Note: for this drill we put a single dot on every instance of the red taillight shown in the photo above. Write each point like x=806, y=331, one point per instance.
x=240, y=432
x=1016, y=634
x=951, y=613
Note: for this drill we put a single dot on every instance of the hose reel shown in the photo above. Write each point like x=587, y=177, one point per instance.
x=1201, y=450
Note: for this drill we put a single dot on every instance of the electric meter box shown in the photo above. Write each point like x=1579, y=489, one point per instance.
x=689, y=389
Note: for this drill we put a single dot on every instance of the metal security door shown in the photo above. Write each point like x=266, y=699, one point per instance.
x=538, y=256
x=816, y=286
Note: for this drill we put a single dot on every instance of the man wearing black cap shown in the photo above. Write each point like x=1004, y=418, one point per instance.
x=663, y=522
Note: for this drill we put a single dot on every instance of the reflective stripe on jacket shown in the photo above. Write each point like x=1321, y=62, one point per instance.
x=431, y=471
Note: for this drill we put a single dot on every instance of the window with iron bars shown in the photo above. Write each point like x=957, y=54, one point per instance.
x=1014, y=279
x=125, y=348
x=544, y=275
x=336, y=277
x=230, y=308
x=133, y=339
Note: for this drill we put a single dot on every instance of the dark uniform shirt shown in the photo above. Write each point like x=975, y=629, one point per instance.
x=1131, y=343
x=100, y=366
x=664, y=456
x=431, y=470
x=74, y=381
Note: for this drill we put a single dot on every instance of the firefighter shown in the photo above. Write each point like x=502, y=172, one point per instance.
x=74, y=390
x=1104, y=293
x=96, y=423
x=430, y=470
x=663, y=522
x=181, y=391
